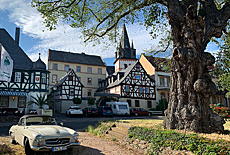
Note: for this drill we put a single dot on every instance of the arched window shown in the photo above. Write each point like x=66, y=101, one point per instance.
x=162, y=95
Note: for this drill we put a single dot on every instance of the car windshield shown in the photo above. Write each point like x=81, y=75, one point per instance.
x=75, y=108
x=40, y=120
x=107, y=108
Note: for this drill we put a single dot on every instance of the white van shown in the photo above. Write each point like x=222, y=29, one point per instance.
x=119, y=108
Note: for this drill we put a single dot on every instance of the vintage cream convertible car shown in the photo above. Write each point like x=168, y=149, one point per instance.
x=41, y=133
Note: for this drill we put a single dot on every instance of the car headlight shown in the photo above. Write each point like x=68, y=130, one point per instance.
x=38, y=138
x=75, y=134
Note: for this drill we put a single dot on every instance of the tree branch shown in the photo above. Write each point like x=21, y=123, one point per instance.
x=145, y=3
x=215, y=20
x=58, y=7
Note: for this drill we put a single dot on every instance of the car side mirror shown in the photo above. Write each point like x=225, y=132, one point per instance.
x=61, y=124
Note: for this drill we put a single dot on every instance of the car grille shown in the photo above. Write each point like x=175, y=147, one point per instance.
x=57, y=141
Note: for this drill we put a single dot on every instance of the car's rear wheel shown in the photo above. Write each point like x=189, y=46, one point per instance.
x=70, y=115
x=66, y=114
x=86, y=115
x=12, y=141
x=149, y=114
x=28, y=150
x=136, y=114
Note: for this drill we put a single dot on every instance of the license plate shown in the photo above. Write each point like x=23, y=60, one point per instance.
x=60, y=148
x=93, y=112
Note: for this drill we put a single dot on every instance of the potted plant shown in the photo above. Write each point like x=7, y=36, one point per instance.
x=40, y=100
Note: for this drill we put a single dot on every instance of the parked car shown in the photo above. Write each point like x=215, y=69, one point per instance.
x=41, y=133
x=140, y=111
x=105, y=111
x=90, y=112
x=74, y=110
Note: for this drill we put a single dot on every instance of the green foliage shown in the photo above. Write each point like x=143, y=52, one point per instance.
x=97, y=130
x=41, y=100
x=91, y=101
x=77, y=100
x=169, y=138
x=222, y=66
x=163, y=104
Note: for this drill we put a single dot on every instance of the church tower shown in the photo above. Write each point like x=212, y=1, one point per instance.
x=125, y=54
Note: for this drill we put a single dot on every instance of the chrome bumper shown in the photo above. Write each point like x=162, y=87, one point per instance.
x=49, y=148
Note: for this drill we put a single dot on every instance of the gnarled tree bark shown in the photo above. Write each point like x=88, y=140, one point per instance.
x=191, y=87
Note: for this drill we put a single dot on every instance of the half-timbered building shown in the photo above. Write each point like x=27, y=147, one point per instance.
x=90, y=69
x=65, y=89
x=130, y=80
x=28, y=78
x=155, y=67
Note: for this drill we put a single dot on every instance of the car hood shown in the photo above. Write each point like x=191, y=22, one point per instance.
x=49, y=130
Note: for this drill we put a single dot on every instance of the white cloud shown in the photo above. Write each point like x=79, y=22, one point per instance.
x=64, y=37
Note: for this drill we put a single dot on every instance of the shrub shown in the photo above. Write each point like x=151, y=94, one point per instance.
x=163, y=104
x=77, y=100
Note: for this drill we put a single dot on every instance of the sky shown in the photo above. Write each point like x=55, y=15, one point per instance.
x=34, y=38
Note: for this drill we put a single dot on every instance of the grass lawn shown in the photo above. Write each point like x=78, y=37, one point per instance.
x=154, y=123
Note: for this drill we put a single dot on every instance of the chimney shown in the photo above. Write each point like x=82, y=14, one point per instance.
x=17, y=34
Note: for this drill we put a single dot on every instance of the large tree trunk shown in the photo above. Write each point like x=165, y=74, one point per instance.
x=190, y=84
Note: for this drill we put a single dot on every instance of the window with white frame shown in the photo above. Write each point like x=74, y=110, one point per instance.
x=137, y=77
x=89, y=93
x=66, y=67
x=21, y=101
x=43, y=77
x=162, y=95
x=71, y=91
x=127, y=88
x=55, y=67
x=17, y=77
x=4, y=100
x=140, y=90
x=168, y=82
x=89, y=70
x=32, y=77
x=99, y=71
x=99, y=80
x=78, y=68
x=161, y=81
x=146, y=90
x=89, y=81
x=54, y=78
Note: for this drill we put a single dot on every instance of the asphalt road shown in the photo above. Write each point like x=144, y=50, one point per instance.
x=78, y=123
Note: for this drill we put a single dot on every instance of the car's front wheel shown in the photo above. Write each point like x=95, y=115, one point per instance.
x=136, y=114
x=28, y=150
x=149, y=114
x=12, y=141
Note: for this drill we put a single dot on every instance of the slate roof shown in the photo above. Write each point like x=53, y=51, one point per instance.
x=124, y=51
x=21, y=60
x=39, y=64
x=80, y=58
x=117, y=82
